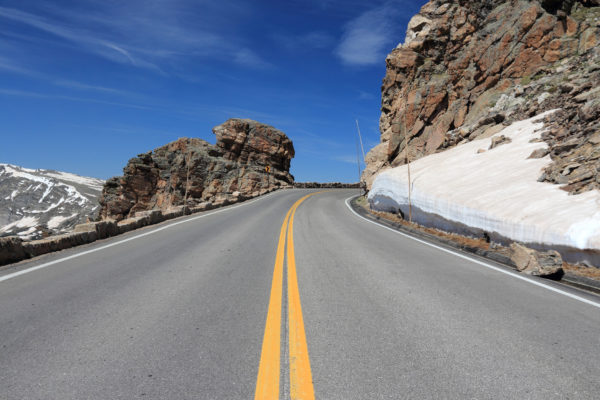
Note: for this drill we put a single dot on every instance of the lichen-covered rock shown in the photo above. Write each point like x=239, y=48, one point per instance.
x=468, y=66
x=249, y=158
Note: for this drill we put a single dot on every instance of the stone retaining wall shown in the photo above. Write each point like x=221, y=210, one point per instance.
x=14, y=249
x=326, y=185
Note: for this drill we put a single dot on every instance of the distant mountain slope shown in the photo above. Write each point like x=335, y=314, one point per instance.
x=34, y=202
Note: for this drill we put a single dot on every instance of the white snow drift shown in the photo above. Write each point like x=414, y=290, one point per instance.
x=495, y=191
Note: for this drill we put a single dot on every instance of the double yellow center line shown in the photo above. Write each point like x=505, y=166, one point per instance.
x=267, y=382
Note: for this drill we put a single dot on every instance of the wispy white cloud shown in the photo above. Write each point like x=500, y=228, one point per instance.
x=345, y=159
x=38, y=95
x=341, y=8
x=152, y=35
x=85, y=39
x=15, y=68
x=95, y=88
x=339, y=157
x=305, y=41
x=249, y=58
x=368, y=37
x=276, y=119
x=317, y=141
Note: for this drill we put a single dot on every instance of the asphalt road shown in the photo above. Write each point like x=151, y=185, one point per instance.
x=182, y=313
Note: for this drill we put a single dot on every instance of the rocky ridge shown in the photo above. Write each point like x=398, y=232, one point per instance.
x=248, y=160
x=469, y=68
x=35, y=203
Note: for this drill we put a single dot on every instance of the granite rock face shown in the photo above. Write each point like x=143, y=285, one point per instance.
x=468, y=68
x=249, y=159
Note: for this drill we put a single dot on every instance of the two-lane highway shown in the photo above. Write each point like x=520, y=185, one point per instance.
x=245, y=302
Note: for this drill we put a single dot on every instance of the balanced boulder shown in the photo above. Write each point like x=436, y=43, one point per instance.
x=248, y=159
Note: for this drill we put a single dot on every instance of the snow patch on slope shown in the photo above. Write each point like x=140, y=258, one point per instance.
x=55, y=200
x=495, y=191
x=25, y=222
x=57, y=221
x=82, y=180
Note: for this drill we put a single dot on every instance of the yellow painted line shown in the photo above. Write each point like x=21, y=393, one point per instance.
x=267, y=382
x=301, y=385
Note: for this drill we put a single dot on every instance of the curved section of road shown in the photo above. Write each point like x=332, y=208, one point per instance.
x=180, y=314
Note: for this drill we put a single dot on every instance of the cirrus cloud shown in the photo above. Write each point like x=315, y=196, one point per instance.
x=368, y=37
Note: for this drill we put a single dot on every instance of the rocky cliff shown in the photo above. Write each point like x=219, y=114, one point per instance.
x=249, y=159
x=467, y=69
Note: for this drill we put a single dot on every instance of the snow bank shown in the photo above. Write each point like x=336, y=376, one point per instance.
x=495, y=191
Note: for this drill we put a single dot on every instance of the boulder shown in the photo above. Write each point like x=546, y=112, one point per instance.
x=532, y=262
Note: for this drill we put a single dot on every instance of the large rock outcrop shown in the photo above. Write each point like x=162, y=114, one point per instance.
x=469, y=68
x=193, y=171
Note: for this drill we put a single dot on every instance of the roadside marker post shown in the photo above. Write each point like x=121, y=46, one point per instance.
x=268, y=171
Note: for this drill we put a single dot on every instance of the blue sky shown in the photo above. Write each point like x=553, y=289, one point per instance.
x=87, y=84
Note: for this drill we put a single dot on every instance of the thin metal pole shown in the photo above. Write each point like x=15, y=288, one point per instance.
x=407, y=149
x=358, y=165
x=187, y=178
x=409, y=188
x=361, y=144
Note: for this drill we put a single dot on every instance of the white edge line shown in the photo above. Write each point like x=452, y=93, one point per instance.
x=513, y=274
x=44, y=265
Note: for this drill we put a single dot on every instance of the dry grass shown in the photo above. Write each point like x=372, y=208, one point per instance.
x=480, y=243
x=588, y=272
x=460, y=239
